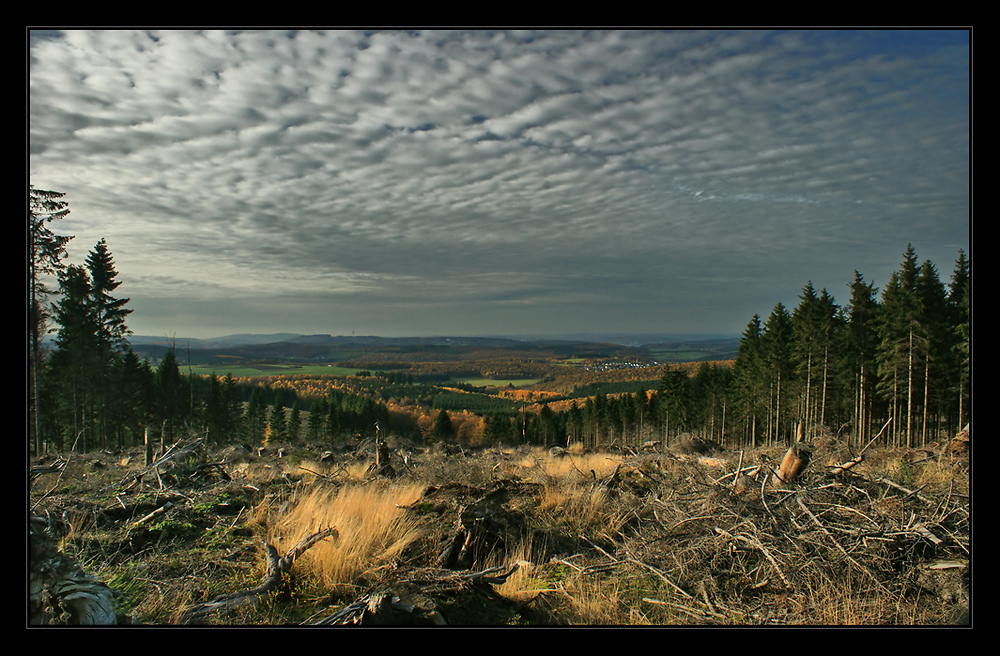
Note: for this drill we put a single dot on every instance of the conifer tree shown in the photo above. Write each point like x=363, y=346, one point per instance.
x=255, y=418
x=776, y=341
x=859, y=347
x=276, y=423
x=960, y=304
x=899, y=337
x=109, y=316
x=110, y=312
x=46, y=254
x=442, y=430
x=76, y=360
x=936, y=338
x=294, y=421
x=170, y=392
x=750, y=377
x=673, y=390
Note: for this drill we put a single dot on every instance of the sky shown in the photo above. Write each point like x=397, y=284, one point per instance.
x=418, y=183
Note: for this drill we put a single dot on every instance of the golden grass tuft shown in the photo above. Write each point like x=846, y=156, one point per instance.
x=372, y=527
x=352, y=471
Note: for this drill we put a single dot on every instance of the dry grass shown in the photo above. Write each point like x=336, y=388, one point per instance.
x=582, y=465
x=642, y=548
x=373, y=530
x=310, y=470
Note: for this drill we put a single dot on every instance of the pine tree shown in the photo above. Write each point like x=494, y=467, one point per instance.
x=749, y=376
x=76, y=360
x=46, y=253
x=109, y=315
x=776, y=341
x=960, y=306
x=859, y=348
x=276, y=423
x=110, y=312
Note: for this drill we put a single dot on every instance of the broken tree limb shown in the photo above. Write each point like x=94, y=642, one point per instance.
x=276, y=567
x=757, y=544
x=156, y=513
x=909, y=492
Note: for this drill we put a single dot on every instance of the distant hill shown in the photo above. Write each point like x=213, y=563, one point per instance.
x=291, y=347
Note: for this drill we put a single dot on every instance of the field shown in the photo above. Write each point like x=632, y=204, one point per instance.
x=254, y=370
x=510, y=536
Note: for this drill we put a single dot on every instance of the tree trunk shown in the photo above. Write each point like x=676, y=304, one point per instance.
x=909, y=391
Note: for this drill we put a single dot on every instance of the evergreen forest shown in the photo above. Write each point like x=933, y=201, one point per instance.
x=891, y=365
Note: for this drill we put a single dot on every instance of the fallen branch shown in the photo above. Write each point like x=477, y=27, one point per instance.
x=276, y=567
x=757, y=544
x=909, y=492
x=156, y=513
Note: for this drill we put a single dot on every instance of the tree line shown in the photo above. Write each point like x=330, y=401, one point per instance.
x=894, y=365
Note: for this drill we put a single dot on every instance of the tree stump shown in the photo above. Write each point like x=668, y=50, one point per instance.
x=795, y=460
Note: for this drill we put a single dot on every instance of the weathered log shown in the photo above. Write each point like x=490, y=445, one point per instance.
x=59, y=591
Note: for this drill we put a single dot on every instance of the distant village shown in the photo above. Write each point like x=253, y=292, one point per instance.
x=620, y=364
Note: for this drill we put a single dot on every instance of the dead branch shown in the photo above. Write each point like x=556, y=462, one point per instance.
x=156, y=513
x=276, y=567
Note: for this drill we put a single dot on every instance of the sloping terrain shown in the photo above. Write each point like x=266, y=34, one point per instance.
x=514, y=536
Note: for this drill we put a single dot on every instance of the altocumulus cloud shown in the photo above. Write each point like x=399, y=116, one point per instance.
x=405, y=183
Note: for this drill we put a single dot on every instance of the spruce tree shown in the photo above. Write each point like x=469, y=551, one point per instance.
x=776, y=340
x=170, y=392
x=110, y=312
x=47, y=251
x=960, y=306
x=276, y=423
x=111, y=332
x=859, y=348
x=294, y=421
x=936, y=338
x=75, y=363
x=441, y=430
x=899, y=338
x=750, y=377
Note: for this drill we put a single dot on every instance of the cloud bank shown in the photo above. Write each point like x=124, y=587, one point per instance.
x=479, y=182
